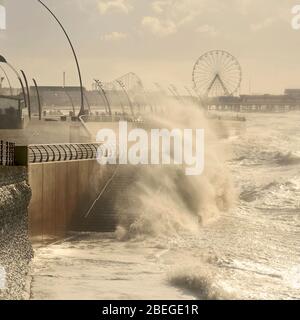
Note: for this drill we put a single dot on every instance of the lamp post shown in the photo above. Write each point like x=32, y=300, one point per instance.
x=121, y=84
x=7, y=78
x=81, y=112
x=38, y=99
x=101, y=96
x=3, y=60
x=100, y=86
x=28, y=93
x=120, y=98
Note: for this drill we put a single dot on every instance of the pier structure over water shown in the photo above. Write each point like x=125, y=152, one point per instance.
x=289, y=101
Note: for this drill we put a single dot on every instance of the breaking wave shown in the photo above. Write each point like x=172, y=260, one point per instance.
x=200, y=282
x=287, y=159
x=164, y=201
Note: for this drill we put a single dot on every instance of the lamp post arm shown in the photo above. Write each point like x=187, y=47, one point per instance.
x=127, y=96
x=21, y=82
x=7, y=78
x=99, y=93
x=28, y=94
x=38, y=99
x=81, y=112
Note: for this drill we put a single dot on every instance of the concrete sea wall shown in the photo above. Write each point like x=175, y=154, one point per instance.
x=62, y=193
x=15, y=247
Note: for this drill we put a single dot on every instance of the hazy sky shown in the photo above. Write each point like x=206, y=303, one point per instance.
x=159, y=40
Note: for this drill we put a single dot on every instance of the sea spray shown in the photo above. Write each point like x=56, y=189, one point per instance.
x=163, y=200
x=200, y=281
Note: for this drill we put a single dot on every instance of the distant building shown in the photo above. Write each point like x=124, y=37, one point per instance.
x=258, y=103
x=294, y=93
x=59, y=97
x=56, y=96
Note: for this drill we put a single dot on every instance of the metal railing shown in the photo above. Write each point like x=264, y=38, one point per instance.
x=7, y=153
x=62, y=152
x=112, y=118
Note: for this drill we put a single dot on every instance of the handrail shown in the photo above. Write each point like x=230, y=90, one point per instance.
x=45, y=153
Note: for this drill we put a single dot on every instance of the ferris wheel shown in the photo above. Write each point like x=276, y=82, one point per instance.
x=217, y=73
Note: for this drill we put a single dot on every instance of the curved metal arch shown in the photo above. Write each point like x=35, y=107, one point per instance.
x=95, y=150
x=3, y=60
x=28, y=94
x=47, y=153
x=65, y=152
x=7, y=78
x=118, y=95
x=71, y=153
x=81, y=151
x=53, y=153
x=120, y=83
x=100, y=95
x=86, y=150
x=81, y=112
x=90, y=155
x=76, y=153
x=41, y=154
x=38, y=98
x=100, y=86
x=59, y=153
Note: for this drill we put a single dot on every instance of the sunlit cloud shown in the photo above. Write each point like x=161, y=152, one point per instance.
x=158, y=27
x=114, y=36
x=122, y=6
x=169, y=16
x=208, y=30
x=262, y=25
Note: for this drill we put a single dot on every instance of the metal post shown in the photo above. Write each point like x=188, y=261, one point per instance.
x=38, y=99
x=1, y=153
x=121, y=84
x=100, y=86
x=7, y=78
x=97, y=87
x=3, y=60
x=81, y=112
x=28, y=94
x=21, y=83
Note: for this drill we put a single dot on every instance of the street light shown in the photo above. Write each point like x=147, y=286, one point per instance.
x=101, y=96
x=121, y=84
x=100, y=86
x=7, y=78
x=3, y=60
x=38, y=99
x=28, y=94
x=81, y=112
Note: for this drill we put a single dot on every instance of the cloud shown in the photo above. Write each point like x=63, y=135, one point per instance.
x=157, y=27
x=169, y=16
x=159, y=6
x=2, y=17
x=122, y=6
x=263, y=24
x=174, y=15
x=207, y=29
x=114, y=36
